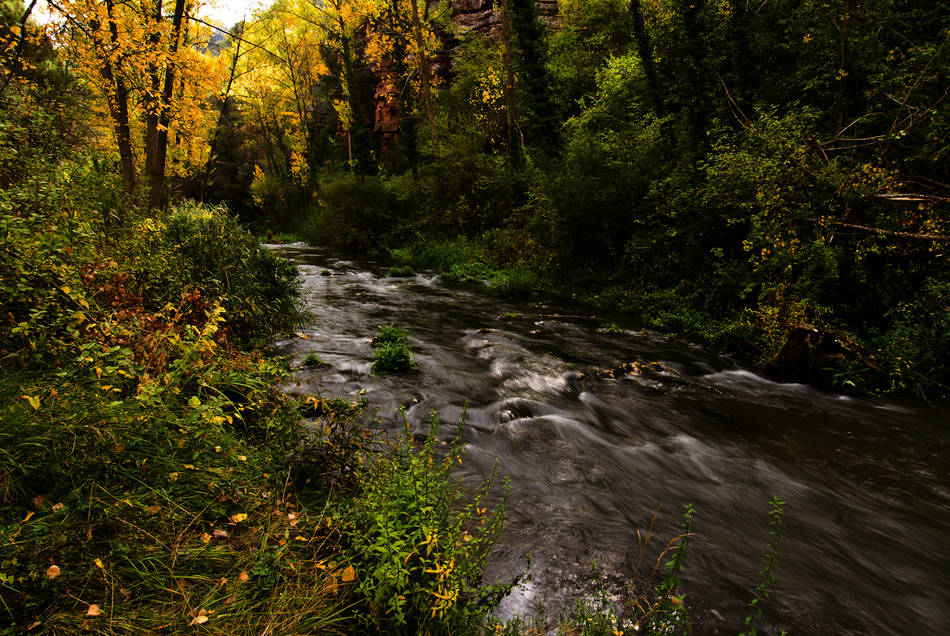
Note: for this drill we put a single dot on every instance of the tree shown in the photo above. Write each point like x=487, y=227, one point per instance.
x=146, y=65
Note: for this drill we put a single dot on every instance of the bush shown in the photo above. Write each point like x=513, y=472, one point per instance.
x=420, y=542
x=356, y=212
x=204, y=248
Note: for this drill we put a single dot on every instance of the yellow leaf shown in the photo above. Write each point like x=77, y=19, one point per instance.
x=93, y=610
x=189, y=466
x=98, y=563
x=34, y=401
x=243, y=576
x=173, y=476
x=52, y=571
x=198, y=620
x=205, y=537
x=348, y=575
x=238, y=518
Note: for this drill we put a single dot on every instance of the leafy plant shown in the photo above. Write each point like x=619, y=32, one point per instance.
x=400, y=271
x=314, y=360
x=768, y=577
x=390, y=352
x=419, y=542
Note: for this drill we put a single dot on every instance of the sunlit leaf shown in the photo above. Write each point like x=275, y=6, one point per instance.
x=93, y=611
x=348, y=575
x=238, y=518
x=52, y=571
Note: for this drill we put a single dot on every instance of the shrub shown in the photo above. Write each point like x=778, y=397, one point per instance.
x=355, y=213
x=419, y=541
x=203, y=247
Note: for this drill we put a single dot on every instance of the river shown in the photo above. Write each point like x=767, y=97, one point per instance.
x=597, y=431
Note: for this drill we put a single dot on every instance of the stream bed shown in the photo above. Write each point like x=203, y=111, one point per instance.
x=600, y=431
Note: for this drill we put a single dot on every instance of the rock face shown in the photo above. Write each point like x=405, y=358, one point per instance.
x=470, y=18
x=386, y=101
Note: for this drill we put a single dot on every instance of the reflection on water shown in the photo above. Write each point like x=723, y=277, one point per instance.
x=597, y=431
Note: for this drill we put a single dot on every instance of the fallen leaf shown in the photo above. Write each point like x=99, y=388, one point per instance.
x=220, y=534
x=198, y=620
x=57, y=507
x=153, y=509
x=173, y=476
x=98, y=563
x=40, y=500
x=52, y=571
x=189, y=466
x=348, y=575
x=205, y=537
x=33, y=400
x=243, y=576
x=238, y=518
x=93, y=610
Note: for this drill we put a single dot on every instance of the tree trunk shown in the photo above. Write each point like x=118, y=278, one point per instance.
x=155, y=169
x=117, y=96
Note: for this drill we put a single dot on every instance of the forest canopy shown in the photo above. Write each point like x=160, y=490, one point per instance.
x=769, y=177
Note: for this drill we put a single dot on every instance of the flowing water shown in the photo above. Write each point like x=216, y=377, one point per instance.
x=596, y=431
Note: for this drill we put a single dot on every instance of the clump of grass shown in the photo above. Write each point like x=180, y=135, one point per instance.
x=401, y=271
x=314, y=360
x=514, y=282
x=391, y=354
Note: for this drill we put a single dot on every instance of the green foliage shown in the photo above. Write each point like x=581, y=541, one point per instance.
x=314, y=360
x=199, y=246
x=768, y=578
x=516, y=282
x=419, y=541
x=390, y=352
x=401, y=271
x=390, y=334
x=145, y=510
x=357, y=212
